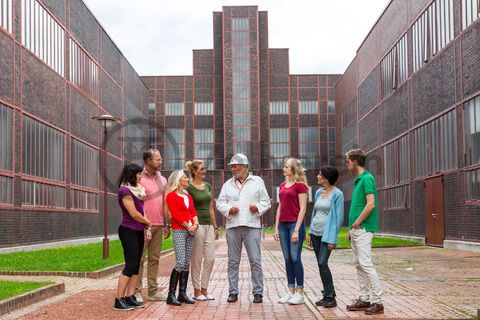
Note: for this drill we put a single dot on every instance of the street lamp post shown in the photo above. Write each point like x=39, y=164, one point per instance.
x=107, y=121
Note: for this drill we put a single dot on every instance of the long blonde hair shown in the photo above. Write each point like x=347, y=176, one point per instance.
x=193, y=166
x=174, y=180
x=297, y=170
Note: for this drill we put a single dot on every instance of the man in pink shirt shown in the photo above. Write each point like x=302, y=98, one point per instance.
x=155, y=209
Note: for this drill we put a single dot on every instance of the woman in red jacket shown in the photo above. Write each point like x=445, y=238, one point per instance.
x=184, y=225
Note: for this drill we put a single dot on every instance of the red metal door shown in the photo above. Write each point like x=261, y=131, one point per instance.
x=434, y=212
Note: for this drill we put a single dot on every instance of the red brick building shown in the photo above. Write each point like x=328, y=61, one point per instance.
x=411, y=99
x=59, y=68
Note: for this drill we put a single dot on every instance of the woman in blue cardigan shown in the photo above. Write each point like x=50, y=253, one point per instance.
x=327, y=219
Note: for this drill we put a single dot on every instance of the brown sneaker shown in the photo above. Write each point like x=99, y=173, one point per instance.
x=375, y=308
x=358, y=305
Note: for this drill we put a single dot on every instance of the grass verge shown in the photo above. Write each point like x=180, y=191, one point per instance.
x=82, y=258
x=377, y=242
x=9, y=289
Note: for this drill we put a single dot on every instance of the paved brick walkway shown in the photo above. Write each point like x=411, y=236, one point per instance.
x=418, y=283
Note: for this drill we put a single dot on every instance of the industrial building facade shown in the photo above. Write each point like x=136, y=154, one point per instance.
x=411, y=99
x=59, y=68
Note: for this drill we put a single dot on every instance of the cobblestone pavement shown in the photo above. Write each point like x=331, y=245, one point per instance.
x=418, y=283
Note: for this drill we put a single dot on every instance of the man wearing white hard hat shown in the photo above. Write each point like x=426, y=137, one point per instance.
x=242, y=201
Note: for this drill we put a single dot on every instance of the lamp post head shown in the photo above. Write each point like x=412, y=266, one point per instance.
x=107, y=121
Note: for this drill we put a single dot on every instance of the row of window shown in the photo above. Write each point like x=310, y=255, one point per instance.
x=6, y=15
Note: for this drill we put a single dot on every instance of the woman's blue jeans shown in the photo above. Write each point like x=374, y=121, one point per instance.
x=322, y=253
x=292, y=252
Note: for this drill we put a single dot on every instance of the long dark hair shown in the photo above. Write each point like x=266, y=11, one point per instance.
x=129, y=174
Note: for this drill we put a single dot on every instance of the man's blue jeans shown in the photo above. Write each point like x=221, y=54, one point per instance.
x=292, y=252
x=322, y=253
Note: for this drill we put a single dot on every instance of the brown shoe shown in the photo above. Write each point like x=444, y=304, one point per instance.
x=358, y=305
x=376, y=308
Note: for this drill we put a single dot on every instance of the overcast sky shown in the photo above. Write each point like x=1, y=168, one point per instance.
x=157, y=36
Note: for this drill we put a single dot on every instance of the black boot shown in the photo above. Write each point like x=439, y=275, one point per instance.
x=171, y=299
x=182, y=294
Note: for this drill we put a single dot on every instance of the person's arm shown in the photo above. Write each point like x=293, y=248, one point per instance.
x=166, y=217
x=309, y=238
x=222, y=202
x=263, y=203
x=214, y=221
x=132, y=211
x=337, y=217
x=276, y=236
x=302, y=201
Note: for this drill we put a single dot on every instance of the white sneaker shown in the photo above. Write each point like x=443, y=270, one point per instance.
x=285, y=298
x=296, y=299
x=139, y=297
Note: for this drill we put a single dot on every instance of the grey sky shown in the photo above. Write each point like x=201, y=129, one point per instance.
x=157, y=36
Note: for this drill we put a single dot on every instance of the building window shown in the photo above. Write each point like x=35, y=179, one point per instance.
x=42, y=195
x=397, y=197
x=203, y=108
x=204, y=147
x=43, y=35
x=308, y=147
x=84, y=72
x=331, y=106
x=85, y=162
x=6, y=137
x=279, y=147
x=174, y=149
x=81, y=200
x=470, y=12
x=432, y=32
x=6, y=185
x=396, y=161
x=6, y=15
x=151, y=124
x=241, y=87
x=43, y=150
x=394, y=67
x=472, y=131
x=472, y=184
x=435, y=145
x=174, y=109
x=278, y=107
x=308, y=107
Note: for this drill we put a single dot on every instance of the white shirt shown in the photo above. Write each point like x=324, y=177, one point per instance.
x=235, y=194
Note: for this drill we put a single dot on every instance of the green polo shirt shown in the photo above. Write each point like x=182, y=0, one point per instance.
x=362, y=185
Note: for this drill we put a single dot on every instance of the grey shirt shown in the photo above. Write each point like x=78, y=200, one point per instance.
x=322, y=208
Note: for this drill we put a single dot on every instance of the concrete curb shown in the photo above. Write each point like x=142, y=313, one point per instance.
x=90, y=274
x=31, y=297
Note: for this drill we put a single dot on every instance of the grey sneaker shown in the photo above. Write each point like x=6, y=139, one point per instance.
x=139, y=297
x=158, y=297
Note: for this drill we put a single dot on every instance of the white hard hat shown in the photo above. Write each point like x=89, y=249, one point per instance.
x=239, y=158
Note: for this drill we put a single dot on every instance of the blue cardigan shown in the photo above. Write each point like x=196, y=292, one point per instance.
x=335, y=216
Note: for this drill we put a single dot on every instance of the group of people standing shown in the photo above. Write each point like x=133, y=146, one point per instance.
x=149, y=204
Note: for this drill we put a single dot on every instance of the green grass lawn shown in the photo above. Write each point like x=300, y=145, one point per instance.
x=82, y=258
x=10, y=289
x=377, y=242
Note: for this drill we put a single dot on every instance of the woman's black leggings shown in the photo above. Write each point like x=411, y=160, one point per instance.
x=132, y=243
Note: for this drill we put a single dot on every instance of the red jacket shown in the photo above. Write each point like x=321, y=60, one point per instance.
x=179, y=211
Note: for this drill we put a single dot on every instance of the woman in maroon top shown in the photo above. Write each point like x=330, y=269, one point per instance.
x=184, y=225
x=290, y=227
x=133, y=230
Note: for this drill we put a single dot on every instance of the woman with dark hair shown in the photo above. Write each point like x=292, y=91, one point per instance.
x=327, y=219
x=134, y=229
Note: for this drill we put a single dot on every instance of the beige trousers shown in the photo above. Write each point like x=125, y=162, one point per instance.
x=203, y=251
x=154, y=248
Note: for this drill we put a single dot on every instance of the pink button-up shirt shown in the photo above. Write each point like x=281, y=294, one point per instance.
x=155, y=187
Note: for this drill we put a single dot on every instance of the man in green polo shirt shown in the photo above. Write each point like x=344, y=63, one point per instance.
x=363, y=222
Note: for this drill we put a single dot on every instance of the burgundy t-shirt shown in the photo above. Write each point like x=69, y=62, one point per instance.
x=290, y=206
x=127, y=220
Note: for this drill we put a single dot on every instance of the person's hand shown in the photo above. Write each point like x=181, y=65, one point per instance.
x=166, y=232
x=148, y=235
x=331, y=246
x=233, y=211
x=309, y=240
x=253, y=208
x=356, y=225
x=217, y=236
x=276, y=235
x=349, y=237
x=295, y=237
